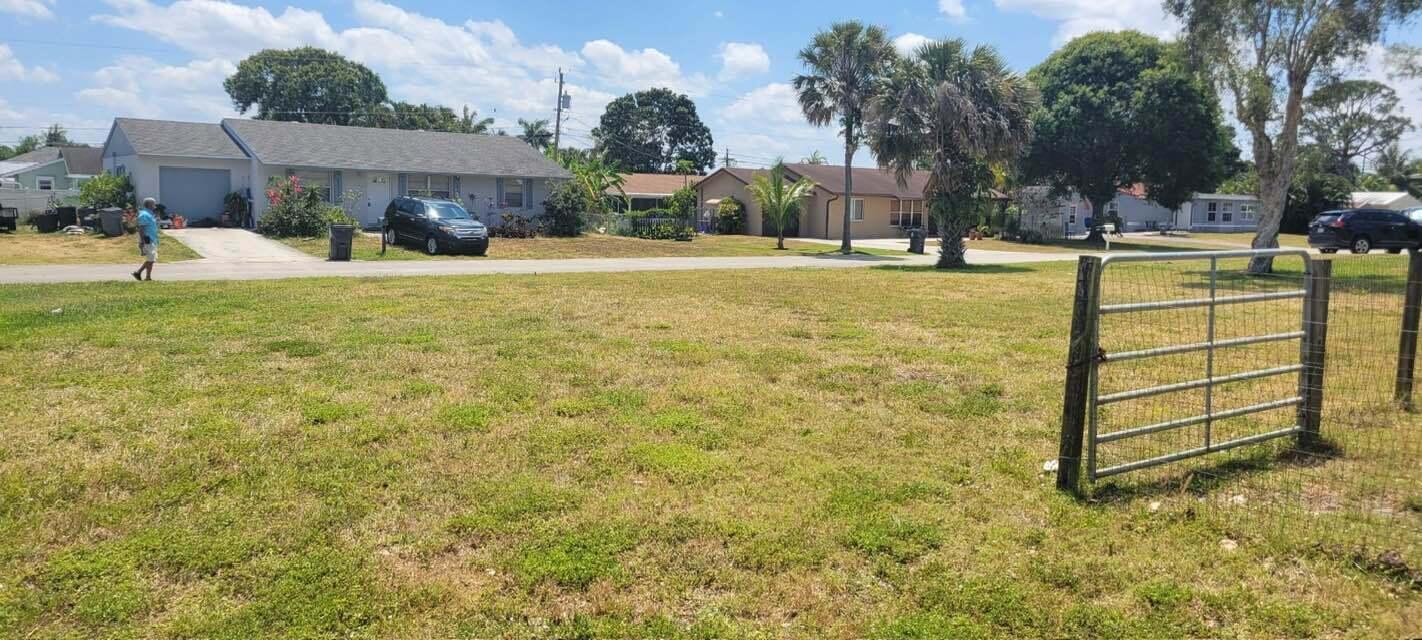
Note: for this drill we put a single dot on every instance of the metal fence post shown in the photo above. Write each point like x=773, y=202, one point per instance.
x=1080, y=356
x=1407, y=342
x=1314, y=349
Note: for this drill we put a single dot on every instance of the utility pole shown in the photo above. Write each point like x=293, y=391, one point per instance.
x=558, y=123
x=727, y=163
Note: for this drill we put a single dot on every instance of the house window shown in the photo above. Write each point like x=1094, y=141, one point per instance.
x=1071, y=215
x=1228, y=212
x=1246, y=211
x=318, y=181
x=44, y=183
x=1211, y=211
x=907, y=214
x=514, y=192
x=429, y=186
x=120, y=171
x=856, y=210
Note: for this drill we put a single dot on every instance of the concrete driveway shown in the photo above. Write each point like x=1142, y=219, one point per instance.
x=236, y=245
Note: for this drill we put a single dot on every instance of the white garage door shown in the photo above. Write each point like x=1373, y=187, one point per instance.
x=193, y=193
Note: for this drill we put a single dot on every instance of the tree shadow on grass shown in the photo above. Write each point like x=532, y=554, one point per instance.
x=972, y=269
x=1205, y=480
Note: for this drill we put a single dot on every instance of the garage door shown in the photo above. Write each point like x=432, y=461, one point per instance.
x=193, y=193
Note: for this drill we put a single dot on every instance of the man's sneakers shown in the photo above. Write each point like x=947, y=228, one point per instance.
x=136, y=276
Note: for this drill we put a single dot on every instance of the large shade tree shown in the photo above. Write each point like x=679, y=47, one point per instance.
x=650, y=131
x=844, y=67
x=1353, y=120
x=958, y=110
x=779, y=198
x=1120, y=109
x=1267, y=53
x=305, y=85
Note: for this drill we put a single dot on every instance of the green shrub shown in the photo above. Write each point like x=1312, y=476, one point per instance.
x=106, y=190
x=730, y=216
x=682, y=204
x=296, y=212
x=564, y=209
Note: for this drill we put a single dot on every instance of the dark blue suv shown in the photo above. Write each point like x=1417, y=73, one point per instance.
x=1362, y=230
x=436, y=225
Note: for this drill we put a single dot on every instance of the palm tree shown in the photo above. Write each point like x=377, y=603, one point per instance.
x=536, y=133
x=596, y=176
x=1398, y=168
x=779, y=199
x=843, y=68
x=961, y=110
x=814, y=158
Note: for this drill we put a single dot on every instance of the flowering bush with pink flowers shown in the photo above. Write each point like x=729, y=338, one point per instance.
x=293, y=211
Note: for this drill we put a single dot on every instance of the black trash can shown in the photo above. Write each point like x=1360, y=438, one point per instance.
x=916, y=241
x=342, y=236
x=46, y=222
x=68, y=216
x=9, y=218
x=111, y=221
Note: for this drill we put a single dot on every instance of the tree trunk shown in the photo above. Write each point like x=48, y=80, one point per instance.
x=952, y=254
x=780, y=235
x=1094, y=235
x=1275, y=160
x=844, y=243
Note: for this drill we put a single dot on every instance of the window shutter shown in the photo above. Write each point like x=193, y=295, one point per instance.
x=499, y=192
x=338, y=191
x=456, y=194
x=528, y=194
x=402, y=184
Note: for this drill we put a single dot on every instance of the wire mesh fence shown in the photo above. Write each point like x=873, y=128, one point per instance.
x=1202, y=378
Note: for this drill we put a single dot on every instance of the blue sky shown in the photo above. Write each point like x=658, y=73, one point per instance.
x=82, y=62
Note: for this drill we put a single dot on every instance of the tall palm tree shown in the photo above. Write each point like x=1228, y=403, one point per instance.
x=960, y=110
x=844, y=66
x=779, y=199
x=1398, y=168
x=814, y=158
x=536, y=133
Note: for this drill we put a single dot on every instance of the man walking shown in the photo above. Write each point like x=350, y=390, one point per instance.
x=147, y=239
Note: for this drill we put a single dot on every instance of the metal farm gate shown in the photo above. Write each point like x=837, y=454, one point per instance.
x=1289, y=391
x=1174, y=331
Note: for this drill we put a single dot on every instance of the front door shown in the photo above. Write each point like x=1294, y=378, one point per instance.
x=377, y=197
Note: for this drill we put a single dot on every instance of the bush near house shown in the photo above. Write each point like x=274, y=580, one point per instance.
x=295, y=212
x=106, y=190
x=564, y=211
x=730, y=216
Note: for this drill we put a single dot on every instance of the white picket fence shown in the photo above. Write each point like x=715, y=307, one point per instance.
x=30, y=201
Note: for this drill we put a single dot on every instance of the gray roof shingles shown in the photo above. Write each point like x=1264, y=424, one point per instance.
x=172, y=138
x=362, y=148
x=83, y=161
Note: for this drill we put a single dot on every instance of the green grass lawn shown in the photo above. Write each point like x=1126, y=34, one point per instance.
x=367, y=247
x=797, y=453
x=25, y=246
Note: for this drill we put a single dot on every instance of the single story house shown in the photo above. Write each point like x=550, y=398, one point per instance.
x=650, y=190
x=56, y=168
x=1218, y=212
x=1394, y=200
x=880, y=207
x=1204, y=212
x=191, y=167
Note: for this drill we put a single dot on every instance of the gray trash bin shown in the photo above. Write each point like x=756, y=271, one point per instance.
x=916, y=241
x=342, y=236
x=111, y=221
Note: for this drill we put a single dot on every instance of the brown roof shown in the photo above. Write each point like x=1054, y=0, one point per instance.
x=655, y=184
x=867, y=181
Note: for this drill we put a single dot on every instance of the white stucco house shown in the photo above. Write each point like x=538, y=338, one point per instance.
x=1394, y=200
x=190, y=167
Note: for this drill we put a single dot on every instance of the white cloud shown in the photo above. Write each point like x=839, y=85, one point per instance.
x=641, y=69
x=907, y=43
x=953, y=9
x=213, y=28
x=1079, y=17
x=28, y=8
x=140, y=86
x=741, y=59
x=718, y=13
x=775, y=102
x=1374, y=66
x=12, y=69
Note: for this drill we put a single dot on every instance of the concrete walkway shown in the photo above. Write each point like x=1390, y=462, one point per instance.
x=235, y=246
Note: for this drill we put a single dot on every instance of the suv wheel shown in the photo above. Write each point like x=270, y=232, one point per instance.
x=390, y=238
x=1361, y=244
x=431, y=245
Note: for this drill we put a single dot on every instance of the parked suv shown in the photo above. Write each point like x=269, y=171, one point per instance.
x=437, y=226
x=1362, y=230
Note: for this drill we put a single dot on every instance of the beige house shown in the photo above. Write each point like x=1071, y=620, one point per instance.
x=880, y=207
x=649, y=190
